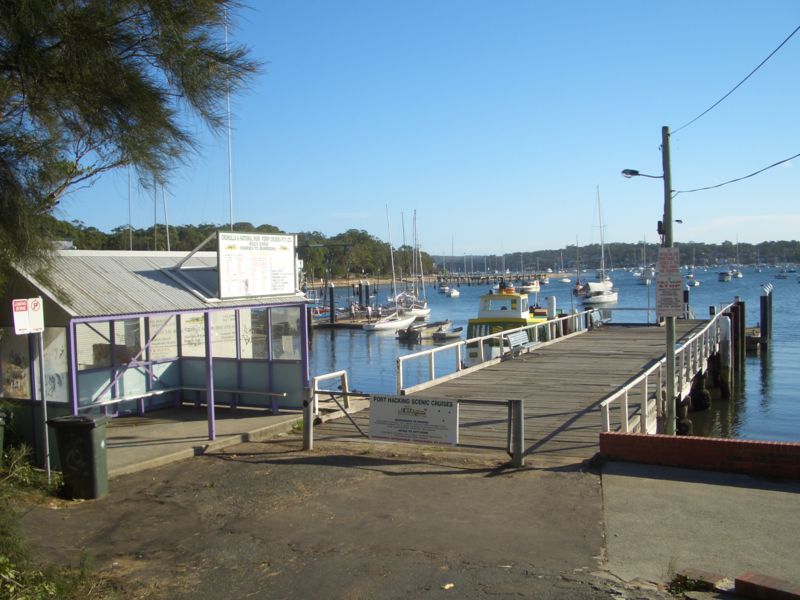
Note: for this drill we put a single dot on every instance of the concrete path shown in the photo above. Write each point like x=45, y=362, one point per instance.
x=659, y=519
x=138, y=443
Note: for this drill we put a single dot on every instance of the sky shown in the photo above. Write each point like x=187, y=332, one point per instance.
x=499, y=123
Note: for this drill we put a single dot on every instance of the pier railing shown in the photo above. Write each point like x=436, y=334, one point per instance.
x=541, y=334
x=639, y=405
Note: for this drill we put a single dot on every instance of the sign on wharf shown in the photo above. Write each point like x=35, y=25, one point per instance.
x=411, y=419
x=669, y=283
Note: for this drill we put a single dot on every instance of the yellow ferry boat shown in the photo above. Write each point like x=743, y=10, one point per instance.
x=498, y=311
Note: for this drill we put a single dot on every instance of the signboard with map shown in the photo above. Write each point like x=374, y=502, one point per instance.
x=252, y=264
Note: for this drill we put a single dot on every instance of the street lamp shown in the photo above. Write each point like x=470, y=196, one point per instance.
x=668, y=243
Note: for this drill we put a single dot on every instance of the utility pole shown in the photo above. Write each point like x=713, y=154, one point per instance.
x=668, y=243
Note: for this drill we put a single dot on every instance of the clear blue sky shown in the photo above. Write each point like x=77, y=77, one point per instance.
x=496, y=121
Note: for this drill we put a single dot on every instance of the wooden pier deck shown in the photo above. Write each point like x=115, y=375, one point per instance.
x=561, y=385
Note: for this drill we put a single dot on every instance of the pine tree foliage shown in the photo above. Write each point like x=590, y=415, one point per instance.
x=87, y=86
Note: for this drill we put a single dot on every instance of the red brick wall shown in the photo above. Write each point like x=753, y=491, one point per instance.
x=772, y=459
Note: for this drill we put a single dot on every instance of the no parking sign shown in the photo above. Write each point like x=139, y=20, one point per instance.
x=28, y=315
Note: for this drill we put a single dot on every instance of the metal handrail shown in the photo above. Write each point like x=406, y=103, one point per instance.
x=689, y=357
x=315, y=390
x=554, y=328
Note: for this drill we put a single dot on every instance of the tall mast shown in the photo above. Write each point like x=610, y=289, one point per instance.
x=391, y=254
x=130, y=220
x=602, y=240
x=230, y=145
x=166, y=216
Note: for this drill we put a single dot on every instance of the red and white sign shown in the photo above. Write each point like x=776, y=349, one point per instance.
x=669, y=283
x=28, y=315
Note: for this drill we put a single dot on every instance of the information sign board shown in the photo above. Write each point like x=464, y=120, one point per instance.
x=412, y=419
x=28, y=315
x=251, y=264
x=669, y=283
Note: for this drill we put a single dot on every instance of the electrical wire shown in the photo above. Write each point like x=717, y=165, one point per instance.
x=713, y=106
x=711, y=187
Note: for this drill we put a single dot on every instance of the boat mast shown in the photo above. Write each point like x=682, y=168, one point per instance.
x=602, y=240
x=391, y=255
x=419, y=258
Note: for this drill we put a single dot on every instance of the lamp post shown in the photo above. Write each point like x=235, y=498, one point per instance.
x=666, y=230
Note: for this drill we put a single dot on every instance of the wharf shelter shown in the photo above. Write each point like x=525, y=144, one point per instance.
x=131, y=332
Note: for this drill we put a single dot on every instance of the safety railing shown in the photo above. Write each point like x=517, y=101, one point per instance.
x=540, y=334
x=515, y=423
x=691, y=358
x=316, y=390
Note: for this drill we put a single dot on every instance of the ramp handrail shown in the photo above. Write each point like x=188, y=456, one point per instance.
x=554, y=328
x=690, y=359
x=315, y=388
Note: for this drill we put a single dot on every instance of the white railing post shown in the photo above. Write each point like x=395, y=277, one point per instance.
x=645, y=410
x=345, y=389
x=606, y=418
x=626, y=426
x=399, y=375
x=432, y=366
x=459, y=348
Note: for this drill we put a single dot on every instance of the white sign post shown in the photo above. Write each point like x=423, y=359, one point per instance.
x=669, y=283
x=29, y=320
x=411, y=419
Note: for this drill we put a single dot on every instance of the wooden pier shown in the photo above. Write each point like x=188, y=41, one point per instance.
x=561, y=385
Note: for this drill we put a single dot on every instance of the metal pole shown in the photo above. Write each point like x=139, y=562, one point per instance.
x=308, y=421
x=518, y=434
x=45, y=433
x=670, y=321
x=212, y=428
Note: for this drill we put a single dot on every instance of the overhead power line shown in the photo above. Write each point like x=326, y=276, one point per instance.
x=711, y=187
x=761, y=64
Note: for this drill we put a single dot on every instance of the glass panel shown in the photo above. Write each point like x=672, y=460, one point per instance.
x=254, y=335
x=245, y=334
x=15, y=364
x=56, y=368
x=165, y=344
x=192, y=335
x=94, y=345
x=286, y=333
x=127, y=340
x=223, y=333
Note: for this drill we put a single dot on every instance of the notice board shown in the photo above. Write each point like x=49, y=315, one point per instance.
x=252, y=264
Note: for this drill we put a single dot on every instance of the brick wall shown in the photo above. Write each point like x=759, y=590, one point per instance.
x=771, y=459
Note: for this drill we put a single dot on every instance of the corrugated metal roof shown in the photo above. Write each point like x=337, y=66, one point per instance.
x=107, y=283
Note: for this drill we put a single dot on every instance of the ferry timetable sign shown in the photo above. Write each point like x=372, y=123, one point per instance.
x=669, y=283
x=251, y=264
x=412, y=419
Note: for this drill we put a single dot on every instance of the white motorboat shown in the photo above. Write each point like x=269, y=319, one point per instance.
x=453, y=293
x=409, y=304
x=390, y=322
x=598, y=293
x=530, y=287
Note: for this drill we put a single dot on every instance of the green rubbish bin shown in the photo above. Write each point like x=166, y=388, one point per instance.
x=82, y=450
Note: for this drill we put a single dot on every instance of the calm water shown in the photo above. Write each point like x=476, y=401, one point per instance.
x=766, y=403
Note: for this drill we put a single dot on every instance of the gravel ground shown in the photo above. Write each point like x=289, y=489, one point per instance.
x=346, y=521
